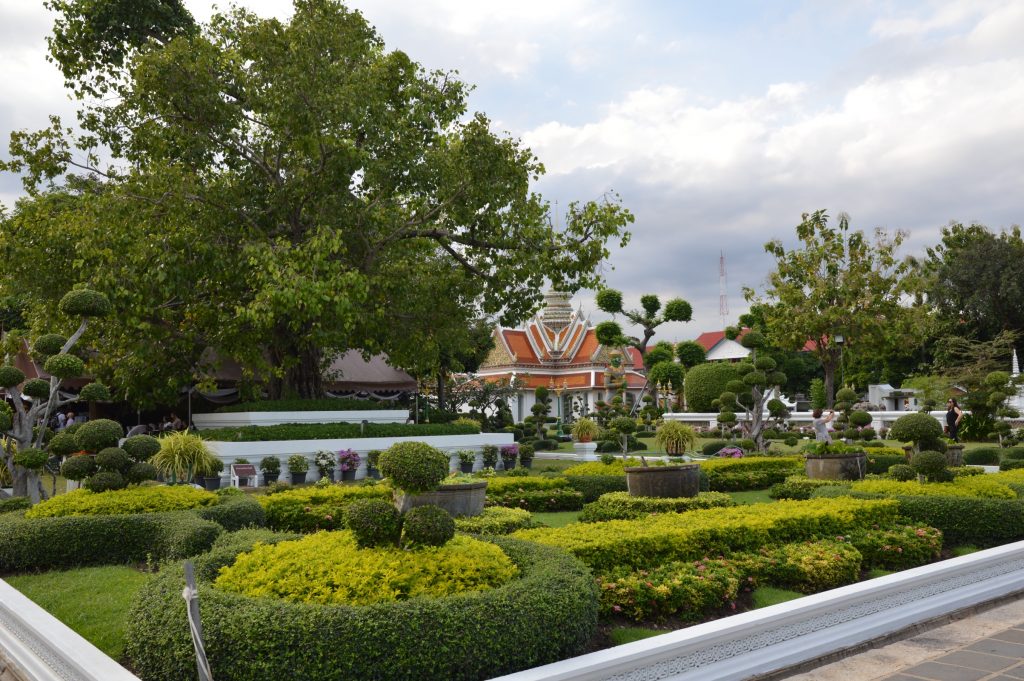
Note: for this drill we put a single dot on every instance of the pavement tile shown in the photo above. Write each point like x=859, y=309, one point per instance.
x=1015, y=672
x=935, y=671
x=1011, y=635
x=994, y=646
x=982, y=661
x=903, y=677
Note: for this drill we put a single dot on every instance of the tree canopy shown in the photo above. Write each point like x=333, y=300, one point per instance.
x=278, y=192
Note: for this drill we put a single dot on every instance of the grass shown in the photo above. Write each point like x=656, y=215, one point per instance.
x=92, y=601
x=557, y=518
x=964, y=550
x=878, y=572
x=764, y=596
x=620, y=635
x=753, y=496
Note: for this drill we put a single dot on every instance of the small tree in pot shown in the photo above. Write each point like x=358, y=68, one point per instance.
x=271, y=467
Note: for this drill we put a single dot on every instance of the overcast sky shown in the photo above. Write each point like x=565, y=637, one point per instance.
x=718, y=123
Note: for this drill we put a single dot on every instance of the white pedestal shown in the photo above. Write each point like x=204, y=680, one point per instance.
x=586, y=451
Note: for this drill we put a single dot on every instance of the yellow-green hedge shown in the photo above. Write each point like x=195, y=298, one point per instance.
x=496, y=520
x=123, y=501
x=982, y=487
x=501, y=485
x=688, y=536
x=328, y=568
x=309, y=509
x=750, y=472
x=617, y=467
x=760, y=463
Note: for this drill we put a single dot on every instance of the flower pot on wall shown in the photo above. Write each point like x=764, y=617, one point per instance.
x=663, y=481
x=212, y=483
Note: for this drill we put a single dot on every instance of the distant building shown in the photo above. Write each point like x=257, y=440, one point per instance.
x=558, y=349
x=718, y=348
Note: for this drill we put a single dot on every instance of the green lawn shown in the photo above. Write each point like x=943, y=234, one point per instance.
x=753, y=496
x=557, y=518
x=769, y=595
x=621, y=635
x=93, y=601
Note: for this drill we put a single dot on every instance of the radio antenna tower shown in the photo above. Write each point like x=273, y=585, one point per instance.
x=723, y=301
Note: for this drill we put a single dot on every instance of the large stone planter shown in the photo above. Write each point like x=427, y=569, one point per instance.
x=955, y=455
x=458, y=500
x=663, y=481
x=585, y=451
x=849, y=467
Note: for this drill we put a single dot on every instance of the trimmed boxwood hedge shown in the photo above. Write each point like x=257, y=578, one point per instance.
x=623, y=506
x=334, y=431
x=234, y=513
x=593, y=486
x=968, y=520
x=72, y=541
x=548, y=614
x=982, y=456
x=537, y=500
x=324, y=404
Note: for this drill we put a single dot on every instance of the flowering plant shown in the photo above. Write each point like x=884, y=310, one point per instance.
x=734, y=452
x=348, y=460
x=324, y=462
x=509, y=453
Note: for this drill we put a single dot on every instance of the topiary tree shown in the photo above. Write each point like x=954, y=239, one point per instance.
x=19, y=424
x=649, y=318
x=1000, y=387
x=414, y=467
x=920, y=429
x=757, y=381
x=374, y=522
x=705, y=384
x=427, y=525
x=931, y=465
x=541, y=409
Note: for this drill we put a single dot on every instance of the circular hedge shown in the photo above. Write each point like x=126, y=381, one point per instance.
x=427, y=525
x=141, y=447
x=414, y=466
x=84, y=303
x=64, y=366
x=547, y=614
x=930, y=464
x=99, y=434
x=49, y=344
x=10, y=377
x=37, y=387
x=916, y=427
x=62, y=444
x=140, y=472
x=705, y=382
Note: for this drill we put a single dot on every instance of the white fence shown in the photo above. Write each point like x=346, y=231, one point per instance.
x=788, y=634
x=274, y=418
x=879, y=419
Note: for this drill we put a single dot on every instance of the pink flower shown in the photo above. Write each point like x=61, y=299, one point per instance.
x=616, y=608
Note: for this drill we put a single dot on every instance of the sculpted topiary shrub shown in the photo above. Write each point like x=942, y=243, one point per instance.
x=705, y=383
x=93, y=436
x=105, y=481
x=78, y=467
x=113, y=459
x=140, y=447
x=49, y=344
x=414, y=467
x=64, y=366
x=374, y=522
x=932, y=465
x=921, y=429
x=427, y=525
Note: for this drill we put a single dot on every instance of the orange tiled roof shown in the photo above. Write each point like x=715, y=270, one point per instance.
x=520, y=346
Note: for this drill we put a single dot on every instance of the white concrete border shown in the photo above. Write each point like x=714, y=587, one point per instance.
x=787, y=634
x=42, y=648
x=880, y=419
x=275, y=418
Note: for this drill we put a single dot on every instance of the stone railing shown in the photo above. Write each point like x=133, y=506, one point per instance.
x=783, y=636
x=36, y=646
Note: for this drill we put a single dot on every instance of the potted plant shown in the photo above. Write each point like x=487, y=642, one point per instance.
x=211, y=473
x=348, y=462
x=675, y=437
x=297, y=466
x=271, y=467
x=583, y=431
x=182, y=456
x=373, y=464
x=525, y=455
x=416, y=470
x=490, y=455
x=680, y=480
x=324, y=462
x=467, y=458
x=509, y=453
x=824, y=461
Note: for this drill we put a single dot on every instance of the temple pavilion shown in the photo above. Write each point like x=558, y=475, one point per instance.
x=558, y=349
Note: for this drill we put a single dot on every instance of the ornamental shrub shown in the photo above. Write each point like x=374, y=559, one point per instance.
x=140, y=447
x=1010, y=465
x=427, y=525
x=92, y=436
x=930, y=464
x=958, y=518
x=496, y=520
x=327, y=568
x=183, y=455
x=113, y=459
x=752, y=472
x=49, y=344
x=902, y=472
x=686, y=590
x=16, y=504
x=78, y=467
x=898, y=548
x=806, y=567
x=798, y=487
x=140, y=472
x=1014, y=453
x=623, y=506
x=309, y=509
x=537, y=500
x=234, y=512
x=711, y=448
x=64, y=366
x=62, y=444
x=881, y=463
x=127, y=501
x=860, y=419
x=505, y=484
x=95, y=392
x=916, y=428
x=593, y=486
x=10, y=376
x=105, y=481
x=84, y=302
x=706, y=382
x=547, y=614
x=37, y=387
x=72, y=541
x=31, y=458
x=963, y=486
x=414, y=467
x=374, y=522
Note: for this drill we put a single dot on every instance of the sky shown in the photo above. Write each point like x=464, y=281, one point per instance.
x=717, y=123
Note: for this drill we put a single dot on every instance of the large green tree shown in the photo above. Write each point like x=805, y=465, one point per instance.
x=277, y=192
x=839, y=289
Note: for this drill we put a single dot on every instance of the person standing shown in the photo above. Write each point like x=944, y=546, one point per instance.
x=954, y=415
x=820, y=424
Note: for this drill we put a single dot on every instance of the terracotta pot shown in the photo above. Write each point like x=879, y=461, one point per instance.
x=663, y=481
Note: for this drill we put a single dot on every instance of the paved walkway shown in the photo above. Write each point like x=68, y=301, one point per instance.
x=985, y=646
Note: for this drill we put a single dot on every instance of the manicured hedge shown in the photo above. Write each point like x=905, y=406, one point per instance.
x=982, y=456
x=968, y=520
x=807, y=567
x=501, y=485
x=754, y=472
x=14, y=504
x=234, y=513
x=666, y=537
x=623, y=506
x=799, y=487
x=548, y=614
x=496, y=520
x=686, y=590
x=879, y=463
x=325, y=404
x=71, y=541
x=308, y=509
x=123, y=501
x=897, y=548
x=335, y=431
x=537, y=500
x=593, y=486
x=967, y=486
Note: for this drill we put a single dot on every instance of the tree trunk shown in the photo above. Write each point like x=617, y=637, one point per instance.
x=829, y=366
x=303, y=378
x=441, y=397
